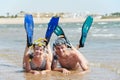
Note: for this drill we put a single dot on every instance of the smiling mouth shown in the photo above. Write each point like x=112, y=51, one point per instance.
x=37, y=53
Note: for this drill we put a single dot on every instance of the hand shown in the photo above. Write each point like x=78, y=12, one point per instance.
x=35, y=72
x=65, y=71
x=43, y=72
x=84, y=72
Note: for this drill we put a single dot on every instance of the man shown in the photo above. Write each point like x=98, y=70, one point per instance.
x=68, y=58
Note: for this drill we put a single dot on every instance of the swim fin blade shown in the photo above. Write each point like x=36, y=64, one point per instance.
x=85, y=28
x=29, y=28
x=51, y=27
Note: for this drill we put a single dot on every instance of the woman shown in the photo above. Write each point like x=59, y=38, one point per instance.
x=39, y=61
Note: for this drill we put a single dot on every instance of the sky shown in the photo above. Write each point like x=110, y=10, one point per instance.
x=75, y=6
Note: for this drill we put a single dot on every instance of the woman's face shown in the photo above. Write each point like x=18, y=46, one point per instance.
x=38, y=50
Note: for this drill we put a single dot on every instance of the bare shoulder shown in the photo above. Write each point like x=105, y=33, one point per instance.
x=28, y=56
x=78, y=55
x=74, y=54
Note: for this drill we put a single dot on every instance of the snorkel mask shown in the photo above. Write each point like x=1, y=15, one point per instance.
x=40, y=42
x=59, y=41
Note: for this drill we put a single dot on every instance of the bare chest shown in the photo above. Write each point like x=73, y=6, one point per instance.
x=69, y=62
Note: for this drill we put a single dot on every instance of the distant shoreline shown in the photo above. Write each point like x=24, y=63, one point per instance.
x=46, y=20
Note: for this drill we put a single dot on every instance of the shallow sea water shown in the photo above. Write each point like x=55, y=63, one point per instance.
x=102, y=49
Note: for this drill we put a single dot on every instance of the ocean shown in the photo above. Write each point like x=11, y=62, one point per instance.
x=102, y=50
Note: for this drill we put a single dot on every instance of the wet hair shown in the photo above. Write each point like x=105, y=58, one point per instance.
x=59, y=41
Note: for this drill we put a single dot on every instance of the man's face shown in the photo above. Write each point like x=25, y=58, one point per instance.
x=60, y=49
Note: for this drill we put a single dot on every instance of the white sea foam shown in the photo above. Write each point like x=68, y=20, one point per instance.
x=103, y=35
x=102, y=23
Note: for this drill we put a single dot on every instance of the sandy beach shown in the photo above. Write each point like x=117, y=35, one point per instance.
x=46, y=20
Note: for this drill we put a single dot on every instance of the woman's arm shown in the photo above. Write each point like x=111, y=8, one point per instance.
x=28, y=67
x=49, y=52
x=27, y=63
x=26, y=52
x=48, y=65
x=49, y=58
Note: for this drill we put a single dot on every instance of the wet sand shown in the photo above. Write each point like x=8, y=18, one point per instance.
x=11, y=69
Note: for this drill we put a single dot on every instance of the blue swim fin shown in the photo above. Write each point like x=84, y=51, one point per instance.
x=59, y=32
x=85, y=28
x=29, y=28
x=51, y=27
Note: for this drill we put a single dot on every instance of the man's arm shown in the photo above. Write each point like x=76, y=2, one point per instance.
x=60, y=69
x=83, y=62
x=80, y=55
